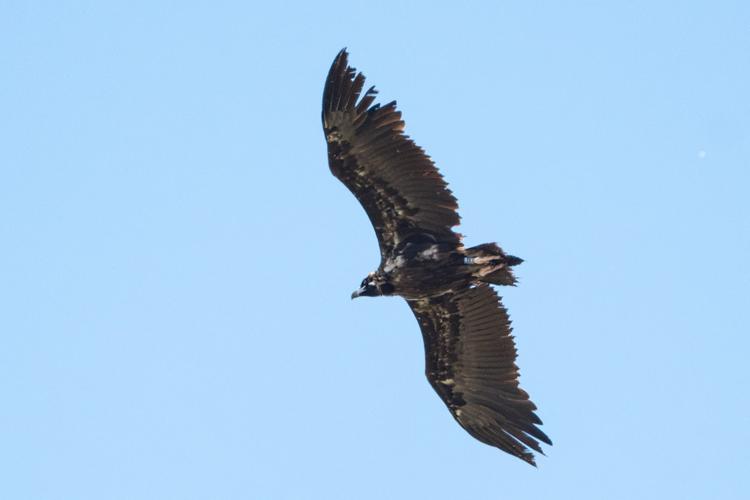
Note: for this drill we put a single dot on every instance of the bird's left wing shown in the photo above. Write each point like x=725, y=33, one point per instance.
x=395, y=181
x=470, y=362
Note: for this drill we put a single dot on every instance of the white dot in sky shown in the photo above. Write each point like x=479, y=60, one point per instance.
x=701, y=154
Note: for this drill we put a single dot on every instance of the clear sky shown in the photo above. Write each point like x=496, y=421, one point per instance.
x=176, y=258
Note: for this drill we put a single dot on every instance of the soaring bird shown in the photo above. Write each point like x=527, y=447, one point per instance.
x=469, y=351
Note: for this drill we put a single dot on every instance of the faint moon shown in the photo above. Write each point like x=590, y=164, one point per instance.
x=701, y=154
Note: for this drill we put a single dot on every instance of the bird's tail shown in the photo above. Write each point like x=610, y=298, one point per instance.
x=491, y=265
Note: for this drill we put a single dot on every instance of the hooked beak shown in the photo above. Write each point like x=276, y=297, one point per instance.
x=357, y=293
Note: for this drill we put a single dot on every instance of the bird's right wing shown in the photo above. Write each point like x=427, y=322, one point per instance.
x=395, y=181
x=470, y=362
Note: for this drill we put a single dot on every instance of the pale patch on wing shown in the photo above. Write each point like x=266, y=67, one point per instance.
x=392, y=264
x=431, y=253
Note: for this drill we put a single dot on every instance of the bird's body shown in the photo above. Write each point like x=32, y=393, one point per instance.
x=423, y=267
x=470, y=354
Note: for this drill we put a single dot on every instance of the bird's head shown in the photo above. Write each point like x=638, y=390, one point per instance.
x=373, y=285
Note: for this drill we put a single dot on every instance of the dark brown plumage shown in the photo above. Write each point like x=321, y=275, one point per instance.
x=370, y=154
x=469, y=351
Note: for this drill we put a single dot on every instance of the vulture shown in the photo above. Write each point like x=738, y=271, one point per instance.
x=469, y=351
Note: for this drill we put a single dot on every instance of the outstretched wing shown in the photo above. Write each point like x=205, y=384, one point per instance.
x=470, y=362
x=395, y=181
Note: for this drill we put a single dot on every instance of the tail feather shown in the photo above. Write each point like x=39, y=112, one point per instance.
x=492, y=264
x=512, y=260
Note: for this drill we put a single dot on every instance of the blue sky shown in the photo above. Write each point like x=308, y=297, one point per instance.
x=177, y=259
